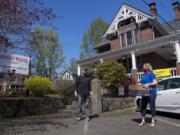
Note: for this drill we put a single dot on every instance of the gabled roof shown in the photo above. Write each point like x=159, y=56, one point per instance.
x=127, y=11
x=64, y=71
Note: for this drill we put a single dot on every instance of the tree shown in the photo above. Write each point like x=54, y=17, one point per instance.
x=46, y=52
x=92, y=37
x=17, y=18
x=73, y=65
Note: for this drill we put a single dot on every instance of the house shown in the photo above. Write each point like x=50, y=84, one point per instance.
x=135, y=37
x=67, y=75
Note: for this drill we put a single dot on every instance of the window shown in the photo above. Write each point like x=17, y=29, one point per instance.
x=136, y=35
x=129, y=38
x=123, y=40
x=174, y=83
x=162, y=85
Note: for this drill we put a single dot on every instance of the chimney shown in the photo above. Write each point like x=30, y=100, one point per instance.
x=153, y=9
x=176, y=7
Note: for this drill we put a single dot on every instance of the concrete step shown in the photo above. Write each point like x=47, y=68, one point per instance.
x=71, y=107
x=68, y=112
x=75, y=103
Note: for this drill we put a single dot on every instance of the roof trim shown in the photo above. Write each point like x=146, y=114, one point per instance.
x=102, y=44
x=122, y=15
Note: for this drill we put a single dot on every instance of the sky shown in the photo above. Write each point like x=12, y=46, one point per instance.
x=78, y=14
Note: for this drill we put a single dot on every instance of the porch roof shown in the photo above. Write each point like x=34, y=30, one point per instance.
x=140, y=47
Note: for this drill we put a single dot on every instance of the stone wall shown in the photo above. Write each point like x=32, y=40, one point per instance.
x=17, y=107
x=111, y=104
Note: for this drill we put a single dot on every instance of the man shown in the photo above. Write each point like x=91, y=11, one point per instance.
x=83, y=93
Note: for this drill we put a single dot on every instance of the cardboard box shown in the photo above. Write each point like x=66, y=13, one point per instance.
x=138, y=90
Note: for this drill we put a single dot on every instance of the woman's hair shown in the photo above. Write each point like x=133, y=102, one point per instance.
x=148, y=66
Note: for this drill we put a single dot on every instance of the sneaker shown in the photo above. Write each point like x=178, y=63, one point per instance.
x=88, y=119
x=78, y=118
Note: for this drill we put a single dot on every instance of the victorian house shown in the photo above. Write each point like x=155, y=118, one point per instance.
x=135, y=37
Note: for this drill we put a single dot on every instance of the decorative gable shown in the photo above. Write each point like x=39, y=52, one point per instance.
x=124, y=13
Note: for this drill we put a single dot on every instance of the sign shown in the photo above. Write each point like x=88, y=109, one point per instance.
x=162, y=72
x=138, y=90
x=18, y=63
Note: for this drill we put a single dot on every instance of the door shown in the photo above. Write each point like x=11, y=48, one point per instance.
x=168, y=96
x=162, y=94
x=174, y=87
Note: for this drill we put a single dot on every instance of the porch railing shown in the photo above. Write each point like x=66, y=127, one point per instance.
x=172, y=73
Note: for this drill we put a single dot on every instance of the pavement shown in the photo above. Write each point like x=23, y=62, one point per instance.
x=122, y=122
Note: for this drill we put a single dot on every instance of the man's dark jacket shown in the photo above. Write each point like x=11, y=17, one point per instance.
x=83, y=85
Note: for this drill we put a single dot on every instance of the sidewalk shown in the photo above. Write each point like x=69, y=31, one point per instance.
x=115, y=123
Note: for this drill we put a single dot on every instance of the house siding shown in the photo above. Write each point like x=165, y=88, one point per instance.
x=146, y=34
x=115, y=44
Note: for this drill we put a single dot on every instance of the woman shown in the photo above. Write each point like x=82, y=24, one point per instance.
x=149, y=82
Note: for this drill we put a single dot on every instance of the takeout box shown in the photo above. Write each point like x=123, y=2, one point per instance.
x=138, y=90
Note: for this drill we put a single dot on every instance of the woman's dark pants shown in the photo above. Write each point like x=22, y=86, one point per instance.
x=151, y=100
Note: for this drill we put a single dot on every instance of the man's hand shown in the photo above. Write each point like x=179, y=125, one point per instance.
x=75, y=93
x=90, y=93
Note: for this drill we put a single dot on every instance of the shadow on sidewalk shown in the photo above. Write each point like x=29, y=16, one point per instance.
x=148, y=120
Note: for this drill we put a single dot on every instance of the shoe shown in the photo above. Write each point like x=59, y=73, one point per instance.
x=142, y=123
x=153, y=123
x=78, y=118
x=88, y=119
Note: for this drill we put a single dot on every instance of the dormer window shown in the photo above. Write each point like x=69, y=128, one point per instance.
x=129, y=38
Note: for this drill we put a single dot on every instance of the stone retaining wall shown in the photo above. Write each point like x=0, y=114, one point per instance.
x=16, y=107
x=110, y=104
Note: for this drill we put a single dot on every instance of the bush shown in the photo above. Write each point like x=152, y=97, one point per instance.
x=111, y=73
x=39, y=86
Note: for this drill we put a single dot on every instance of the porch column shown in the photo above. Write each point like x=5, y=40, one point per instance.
x=101, y=60
x=134, y=72
x=177, y=48
x=133, y=57
x=79, y=70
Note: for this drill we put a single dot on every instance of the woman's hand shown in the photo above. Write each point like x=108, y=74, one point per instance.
x=146, y=86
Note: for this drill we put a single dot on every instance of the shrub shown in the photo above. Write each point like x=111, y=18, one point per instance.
x=38, y=85
x=111, y=73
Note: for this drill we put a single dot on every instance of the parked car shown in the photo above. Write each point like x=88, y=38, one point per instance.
x=168, y=95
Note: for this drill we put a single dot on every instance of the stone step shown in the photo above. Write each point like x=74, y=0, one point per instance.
x=71, y=107
x=75, y=103
x=67, y=112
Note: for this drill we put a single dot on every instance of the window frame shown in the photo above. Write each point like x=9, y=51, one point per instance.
x=133, y=37
x=165, y=86
x=171, y=80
